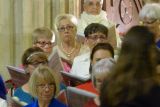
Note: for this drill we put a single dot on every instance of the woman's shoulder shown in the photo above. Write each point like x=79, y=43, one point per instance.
x=3, y=103
x=84, y=49
x=23, y=96
x=18, y=91
x=155, y=92
x=54, y=51
x=150, y=99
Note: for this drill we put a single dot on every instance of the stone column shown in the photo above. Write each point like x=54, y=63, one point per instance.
x=6, y=36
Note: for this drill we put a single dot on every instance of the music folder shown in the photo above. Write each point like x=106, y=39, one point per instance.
x=78, y=97
x=75, y=77
x=18, y=75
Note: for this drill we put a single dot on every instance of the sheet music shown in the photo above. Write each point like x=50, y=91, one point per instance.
x=18, y=75
x=75, y=77
x=55, y=63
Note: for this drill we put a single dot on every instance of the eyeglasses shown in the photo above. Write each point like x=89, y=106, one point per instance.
x=96, y=37
x=62, y=29
x=44, y=86
x=44, y=43
x=36, y=64
x=148, y=22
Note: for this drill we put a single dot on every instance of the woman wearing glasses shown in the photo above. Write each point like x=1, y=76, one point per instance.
x=92, y=13
x=67, y=47
x=31, y=58
x=43, y=38
x=43, y=86
x=150, y=16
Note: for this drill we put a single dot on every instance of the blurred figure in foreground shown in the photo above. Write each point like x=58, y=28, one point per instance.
x=134, y=81
x=3, y=102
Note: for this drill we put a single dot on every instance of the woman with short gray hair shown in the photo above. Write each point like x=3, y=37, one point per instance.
x=150, y=16
x=98, y=75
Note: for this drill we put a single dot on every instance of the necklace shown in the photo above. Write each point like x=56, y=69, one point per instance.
x=68, y=53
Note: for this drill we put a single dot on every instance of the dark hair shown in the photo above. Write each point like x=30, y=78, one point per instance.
x=104, y=46
x=28, y=53
x=94, y=28
x=135, y=72
x=2, y=89
x=158, y=56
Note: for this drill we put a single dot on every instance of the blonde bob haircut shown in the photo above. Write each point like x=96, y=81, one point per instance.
x=69, y=17
x=42, y=73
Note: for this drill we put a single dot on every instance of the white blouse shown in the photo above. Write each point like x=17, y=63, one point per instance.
x=3, y=103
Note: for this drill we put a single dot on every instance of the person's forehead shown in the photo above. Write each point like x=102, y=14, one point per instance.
x=43, y=79
x=97, y=34
x=44, y=39
x=102, y=53
x=65, y=21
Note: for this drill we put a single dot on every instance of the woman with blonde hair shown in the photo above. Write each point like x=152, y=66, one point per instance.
x=67, y=47
x=43, y=85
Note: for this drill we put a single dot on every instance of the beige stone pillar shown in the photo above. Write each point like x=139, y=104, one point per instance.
x=23, y=27
x=6, y=36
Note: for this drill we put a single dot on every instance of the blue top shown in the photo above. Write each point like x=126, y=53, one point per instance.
x=54, y=103
x=158, y=43
x=62, y=86
x=26, y=97
x=2, y=89
x=23, y=96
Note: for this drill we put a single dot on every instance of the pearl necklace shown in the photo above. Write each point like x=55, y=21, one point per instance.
x=68, y=53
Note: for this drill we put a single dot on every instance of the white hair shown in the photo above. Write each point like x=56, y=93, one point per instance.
x=150, y=11
x=102, y=66
x=70, y=17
